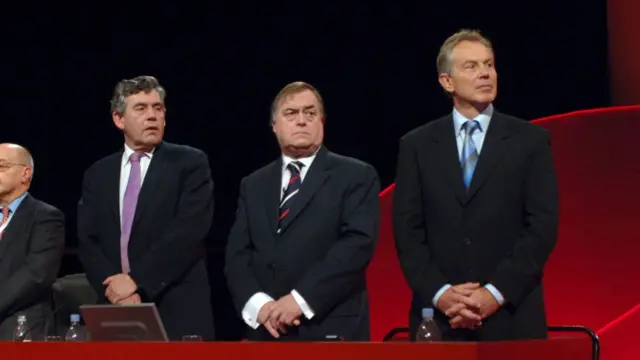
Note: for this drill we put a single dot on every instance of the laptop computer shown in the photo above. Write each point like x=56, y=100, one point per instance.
x=139, y=322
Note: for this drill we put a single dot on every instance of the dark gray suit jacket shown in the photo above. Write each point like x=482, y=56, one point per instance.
x=325, y=245
x=30, y=253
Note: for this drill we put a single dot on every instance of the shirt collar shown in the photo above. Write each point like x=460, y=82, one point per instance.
x=128, y=151
x=483, y=118
x=306, y=160
x=13, y=206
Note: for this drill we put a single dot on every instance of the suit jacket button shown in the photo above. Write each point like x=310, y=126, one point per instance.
x=467, y=241
x=271, y=266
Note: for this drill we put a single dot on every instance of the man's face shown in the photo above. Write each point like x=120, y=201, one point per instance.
x=143, y=120
x=14, y=172
x=473, y=77
x=299, y=122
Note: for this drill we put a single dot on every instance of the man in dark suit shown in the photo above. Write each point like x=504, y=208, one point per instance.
x=31, y=246
x=306, y=228
x=144, y=215
x=475, y=208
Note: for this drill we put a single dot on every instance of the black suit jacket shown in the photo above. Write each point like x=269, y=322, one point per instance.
x=322, y=251
x=501, y=231
x=166, y=248
x=30, y=253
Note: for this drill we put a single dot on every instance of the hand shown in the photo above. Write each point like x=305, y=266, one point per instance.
x=456, y=302
x=131, y=300
x=263, y=318
x=119, y=287
x=285, y=311
x=488, y=305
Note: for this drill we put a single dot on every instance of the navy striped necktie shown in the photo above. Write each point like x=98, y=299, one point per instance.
x=294, y=167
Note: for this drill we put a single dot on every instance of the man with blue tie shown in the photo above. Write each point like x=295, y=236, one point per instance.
x=306, y=228
x=475, y=208
x=31, y=246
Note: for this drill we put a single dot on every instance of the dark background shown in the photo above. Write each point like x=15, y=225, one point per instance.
x=222, y=62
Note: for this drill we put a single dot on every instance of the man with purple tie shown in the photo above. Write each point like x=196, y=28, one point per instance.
x=144, y=215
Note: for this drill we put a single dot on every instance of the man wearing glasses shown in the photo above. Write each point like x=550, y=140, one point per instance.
x=31, y=245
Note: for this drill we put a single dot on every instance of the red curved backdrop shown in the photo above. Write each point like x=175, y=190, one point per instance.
x=591, y=277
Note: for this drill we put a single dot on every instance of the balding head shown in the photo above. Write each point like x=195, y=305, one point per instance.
x=16, y=171
x=18, y=153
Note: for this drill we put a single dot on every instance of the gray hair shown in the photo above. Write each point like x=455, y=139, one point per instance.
x=443, y=61
x=128, y=87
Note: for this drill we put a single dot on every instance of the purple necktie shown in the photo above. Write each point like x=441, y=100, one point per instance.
x=129, y=208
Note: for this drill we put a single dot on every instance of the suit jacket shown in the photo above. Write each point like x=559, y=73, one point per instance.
x=325, y=244
x=166, y=247
x=501, y=231
x=30, y=253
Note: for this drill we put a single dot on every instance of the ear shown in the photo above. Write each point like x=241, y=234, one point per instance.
x=273, y=127
x=118, y=120
x=446, y=82
x=27, y=175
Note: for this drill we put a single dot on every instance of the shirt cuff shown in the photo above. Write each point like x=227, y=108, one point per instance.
x=496, y=294
x=252, y=308
x=439, y=293
x=306, y=310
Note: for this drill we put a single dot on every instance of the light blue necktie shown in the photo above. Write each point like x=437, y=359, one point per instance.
x=469, y=157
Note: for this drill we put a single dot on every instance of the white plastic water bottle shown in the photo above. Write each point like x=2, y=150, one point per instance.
x=428, y=330
x=21, y=332
x=75, y=331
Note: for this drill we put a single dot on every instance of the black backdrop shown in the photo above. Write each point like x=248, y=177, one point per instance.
x=222, y=62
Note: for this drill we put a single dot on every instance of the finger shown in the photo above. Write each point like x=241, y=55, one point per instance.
x=107, y=280
x=289, y=319
x=467, y=301
x=456, y=322
x=272, y=331
x=296, y=322
x=468, y=314
x=455, y=309
x=462, y=291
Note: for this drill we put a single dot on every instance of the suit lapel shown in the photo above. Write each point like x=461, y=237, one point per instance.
x=272, y=195
x=150, y=182
x=314, y=178
x=445, y=139
x=494, y=146
x=112, y=187
x=18, y=226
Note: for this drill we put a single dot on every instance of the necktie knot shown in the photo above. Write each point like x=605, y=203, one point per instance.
x=295, y=167
x=136, y=156
x=471, y=126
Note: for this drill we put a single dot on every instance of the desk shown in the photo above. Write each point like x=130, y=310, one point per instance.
x=557, y=348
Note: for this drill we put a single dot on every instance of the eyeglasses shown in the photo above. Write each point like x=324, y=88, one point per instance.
x=7, y=165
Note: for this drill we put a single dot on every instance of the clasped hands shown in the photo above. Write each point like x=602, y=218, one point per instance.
x=276, y=316
x=467, y=305
x=121, y=290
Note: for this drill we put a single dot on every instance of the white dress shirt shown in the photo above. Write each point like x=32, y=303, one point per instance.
x=125, y=170
x=484, y=119
x=258, y=300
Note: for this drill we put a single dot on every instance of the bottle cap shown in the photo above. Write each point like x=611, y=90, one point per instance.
x=75, y=317
x=427, y=313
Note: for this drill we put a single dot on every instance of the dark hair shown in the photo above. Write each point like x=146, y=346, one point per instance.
x=128, y=87
x=292, y=89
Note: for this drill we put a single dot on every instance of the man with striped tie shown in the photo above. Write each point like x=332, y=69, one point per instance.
x=31, y=246
x=305, y=231
x=475, y=209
